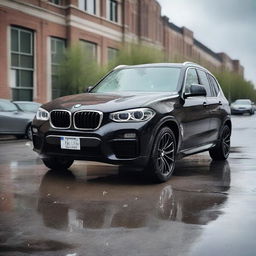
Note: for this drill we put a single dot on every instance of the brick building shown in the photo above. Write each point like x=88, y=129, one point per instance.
x=35, y=33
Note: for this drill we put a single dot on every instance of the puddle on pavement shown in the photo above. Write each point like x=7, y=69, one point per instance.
x=127, y=200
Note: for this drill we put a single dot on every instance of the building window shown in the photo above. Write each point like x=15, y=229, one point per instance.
x=90, y=49
x=113, y=10
x=57, y=2
x=87, y=5
x=112, y=54
x=57, y=54
x=22, y=63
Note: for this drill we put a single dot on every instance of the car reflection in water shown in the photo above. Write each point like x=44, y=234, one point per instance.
x=67, y=203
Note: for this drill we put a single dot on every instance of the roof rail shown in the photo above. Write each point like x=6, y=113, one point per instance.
x=190, y=62
x=120, y=66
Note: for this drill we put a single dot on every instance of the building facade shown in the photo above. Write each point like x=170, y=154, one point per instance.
x=35, y=33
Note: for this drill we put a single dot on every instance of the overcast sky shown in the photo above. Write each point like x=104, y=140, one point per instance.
x=222, y=25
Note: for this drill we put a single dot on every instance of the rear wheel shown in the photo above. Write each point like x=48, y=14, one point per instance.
x=162, y=160
x=222, y=149
x=56, y=163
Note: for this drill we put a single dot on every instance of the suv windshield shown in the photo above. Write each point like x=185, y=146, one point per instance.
x=243, y=102
x=150, y=79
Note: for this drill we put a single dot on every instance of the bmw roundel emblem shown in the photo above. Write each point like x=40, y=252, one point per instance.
x=77, y=105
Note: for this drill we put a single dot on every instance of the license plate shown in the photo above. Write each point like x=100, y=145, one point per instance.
x=72, y=143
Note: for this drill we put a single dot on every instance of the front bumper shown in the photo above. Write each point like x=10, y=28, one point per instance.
x=241, y=111
x=107, y=144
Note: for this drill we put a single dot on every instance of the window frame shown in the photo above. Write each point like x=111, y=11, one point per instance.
x=83, y=6
x=19, y=68
x=112, y=49
x=54, y=64
x=95, y=58
x=111, y=16
x=94, y=7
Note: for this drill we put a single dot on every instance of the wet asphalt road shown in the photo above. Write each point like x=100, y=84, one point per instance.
x=94, y=209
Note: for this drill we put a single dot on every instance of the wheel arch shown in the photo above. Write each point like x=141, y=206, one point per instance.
x=173, y=125
x=228, y=123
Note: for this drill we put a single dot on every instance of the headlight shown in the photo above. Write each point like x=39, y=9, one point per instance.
x=133, y=115
x=42, y=114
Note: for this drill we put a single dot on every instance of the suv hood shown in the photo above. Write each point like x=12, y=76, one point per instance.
x=106, y=102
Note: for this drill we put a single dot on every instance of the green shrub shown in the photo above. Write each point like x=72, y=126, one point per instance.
x=235, y=86
x=78, y=70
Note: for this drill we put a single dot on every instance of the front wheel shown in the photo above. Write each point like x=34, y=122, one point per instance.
x=162, y=160
x=57, y=164
x=222, y=149
x=29, y=132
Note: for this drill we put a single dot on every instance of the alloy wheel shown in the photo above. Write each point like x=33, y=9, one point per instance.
x=226, y=141
x=166, y=154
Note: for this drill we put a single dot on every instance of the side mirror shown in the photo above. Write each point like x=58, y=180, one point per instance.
x=196, y=90
x=88, y=89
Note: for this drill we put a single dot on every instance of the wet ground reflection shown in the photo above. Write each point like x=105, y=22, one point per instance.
x=126, y=200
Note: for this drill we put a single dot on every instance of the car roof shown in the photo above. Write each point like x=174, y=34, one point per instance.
x=176, y=65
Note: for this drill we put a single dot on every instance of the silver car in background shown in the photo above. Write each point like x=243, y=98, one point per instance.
x=27, y=106
x=14, y=121
x=242, y=106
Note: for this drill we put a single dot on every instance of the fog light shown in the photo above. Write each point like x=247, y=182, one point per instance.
x=130, y=135
x=35, y=130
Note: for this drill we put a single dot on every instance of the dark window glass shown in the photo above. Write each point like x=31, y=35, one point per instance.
x=191, y=78
x=26, y=78
x=204, y=81
x=15, y=60
x=25, y=42
x=14, y=40
x=58, y=2
x=113, y=10
x=26, y=61
x=24, y=94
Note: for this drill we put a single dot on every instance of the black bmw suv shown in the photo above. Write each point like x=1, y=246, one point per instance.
x=145, y=116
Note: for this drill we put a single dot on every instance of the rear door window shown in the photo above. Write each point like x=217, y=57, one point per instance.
x=214, y=85
x=204, y=82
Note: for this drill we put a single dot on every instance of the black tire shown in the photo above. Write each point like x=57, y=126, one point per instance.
x=29, y=132
x=162, y=160
x=222, y=149
x=19, y=137
x=58, y=164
